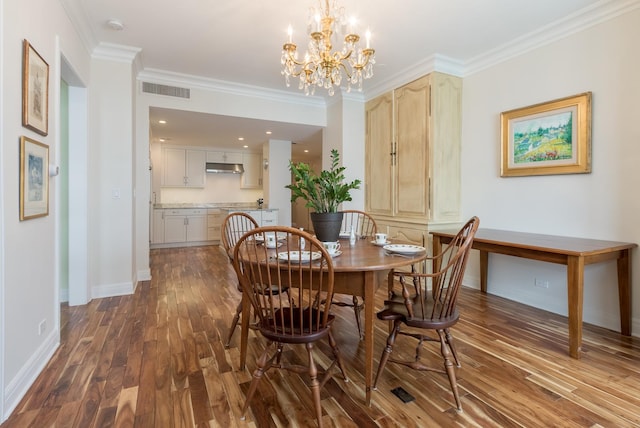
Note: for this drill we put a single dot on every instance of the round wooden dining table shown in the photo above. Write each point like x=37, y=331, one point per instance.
x=358, y=271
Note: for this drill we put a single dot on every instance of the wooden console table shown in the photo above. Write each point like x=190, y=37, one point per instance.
x=575, y=253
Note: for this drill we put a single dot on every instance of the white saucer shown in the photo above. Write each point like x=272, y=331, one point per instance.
x=336, y=254
x=276, y=246
x=380, y=244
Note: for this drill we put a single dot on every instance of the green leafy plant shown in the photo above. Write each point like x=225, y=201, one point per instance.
x=323, y=193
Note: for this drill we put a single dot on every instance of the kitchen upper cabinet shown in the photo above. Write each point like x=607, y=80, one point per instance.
x=412, y=165
x=183, y=167
x=252, y=176
x=224, y=157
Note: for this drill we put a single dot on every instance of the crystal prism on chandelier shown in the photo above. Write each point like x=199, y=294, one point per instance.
x=322, y=67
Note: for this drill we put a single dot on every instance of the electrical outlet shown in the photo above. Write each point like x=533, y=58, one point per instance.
x=541, y=283
x=42, y=327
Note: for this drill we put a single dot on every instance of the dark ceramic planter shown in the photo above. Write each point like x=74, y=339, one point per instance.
x=326, y=226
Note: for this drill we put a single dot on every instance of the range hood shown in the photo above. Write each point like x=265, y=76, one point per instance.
x=224, y=168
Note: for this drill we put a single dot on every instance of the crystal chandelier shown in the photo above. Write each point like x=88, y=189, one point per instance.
x=321, y=66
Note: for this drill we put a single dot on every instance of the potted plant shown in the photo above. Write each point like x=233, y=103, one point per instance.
x=323, y=193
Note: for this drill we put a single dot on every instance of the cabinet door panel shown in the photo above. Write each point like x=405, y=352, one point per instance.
x=196, y=228
x=195, y=168
x=411, y=120
x=379, y=146
x=173, y=167
x=175, y=229
x=252, y=176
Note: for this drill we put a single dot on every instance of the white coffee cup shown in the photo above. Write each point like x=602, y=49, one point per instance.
x=332, y=247
x=381, y=238
x=271, y=240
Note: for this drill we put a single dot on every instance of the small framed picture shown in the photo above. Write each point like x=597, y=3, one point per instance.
x=548, y=138
x=35, y=90
x=34, y=179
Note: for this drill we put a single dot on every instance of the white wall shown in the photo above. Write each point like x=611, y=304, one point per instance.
x=30, y=250
x=600, y=205
x=346, y=133
x=111, y=177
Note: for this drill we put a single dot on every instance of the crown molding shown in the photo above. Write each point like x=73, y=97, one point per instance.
x=428, y=65
x=579, y=21
x=117, y=53
x=79, y=20
x=223, y=86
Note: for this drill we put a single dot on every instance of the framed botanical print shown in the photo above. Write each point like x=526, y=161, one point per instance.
x=35, y=90
x=34, y=179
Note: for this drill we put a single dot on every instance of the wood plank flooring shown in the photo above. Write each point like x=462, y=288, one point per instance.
x=156, y=359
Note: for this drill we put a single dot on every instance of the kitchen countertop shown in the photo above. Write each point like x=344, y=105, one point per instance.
x=221, y=205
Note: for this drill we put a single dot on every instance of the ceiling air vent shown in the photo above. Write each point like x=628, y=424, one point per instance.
x=171, y=91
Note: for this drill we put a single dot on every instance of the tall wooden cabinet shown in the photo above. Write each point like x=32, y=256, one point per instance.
x=413, y=157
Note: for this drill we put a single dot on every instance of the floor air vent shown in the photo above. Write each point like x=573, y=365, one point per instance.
x=171, y=91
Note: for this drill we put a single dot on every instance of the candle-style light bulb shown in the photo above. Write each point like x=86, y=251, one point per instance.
x=290, y=33
x=368, y=36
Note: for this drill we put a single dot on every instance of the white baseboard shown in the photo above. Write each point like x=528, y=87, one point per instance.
x=19, y=385
x=144, y=275
x=110, y=290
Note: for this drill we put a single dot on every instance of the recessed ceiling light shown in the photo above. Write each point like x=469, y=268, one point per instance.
x=240, y=138
x=162, y=140
x=306, y=151
x=162, y=121
x=269, y=132
x=245, y=146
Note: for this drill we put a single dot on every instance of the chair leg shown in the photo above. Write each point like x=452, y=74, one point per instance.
x=387, y=350
x=450, y=368
x=452, y=346
x=257, y=375
x=234, y=324
x=315, y=385
x=337, y=356
x=356, y=309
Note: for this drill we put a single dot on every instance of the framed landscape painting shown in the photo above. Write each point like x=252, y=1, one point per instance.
x=548, y=138
x=34, y=179
x=35, y=90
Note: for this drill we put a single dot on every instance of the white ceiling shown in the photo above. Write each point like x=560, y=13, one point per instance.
x=241, y=40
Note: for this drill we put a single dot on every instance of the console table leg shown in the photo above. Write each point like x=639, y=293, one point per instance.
x=624, y=291
x=484, y=270
x=575, y=289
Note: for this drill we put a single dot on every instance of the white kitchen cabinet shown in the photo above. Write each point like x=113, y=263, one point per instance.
x=183, y=167
x=264, y=217
x=252, y=176
x=185, y=225
x=224, y=157
x=269, y=217
x=157, y=234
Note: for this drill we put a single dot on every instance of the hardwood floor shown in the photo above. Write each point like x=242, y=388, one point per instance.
x=156, y=359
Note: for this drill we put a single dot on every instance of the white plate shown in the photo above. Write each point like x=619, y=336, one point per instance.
x=380, y=245
x=404, y=248
x=336, y=254
x=260, y=238
x=280, y=244
x=302, y=256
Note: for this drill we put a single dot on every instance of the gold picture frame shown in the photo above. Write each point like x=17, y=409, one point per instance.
x=34, y=179
x=547, y=138
x=35, y=90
